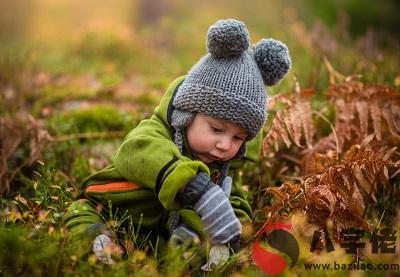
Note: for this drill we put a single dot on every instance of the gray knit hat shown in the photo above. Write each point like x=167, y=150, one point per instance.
x=229, y=82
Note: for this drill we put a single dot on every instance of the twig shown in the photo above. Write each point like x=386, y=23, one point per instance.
x=333, y=73
x=379, y=223
x=18, y=169
x=333, y=132
x=91, y=135
x=290, y=158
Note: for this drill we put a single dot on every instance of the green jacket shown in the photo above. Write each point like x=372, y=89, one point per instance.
x=149, y=158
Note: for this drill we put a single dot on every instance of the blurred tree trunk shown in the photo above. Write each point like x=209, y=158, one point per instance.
x=151, y=19
x=150, y=12
x=14, y=19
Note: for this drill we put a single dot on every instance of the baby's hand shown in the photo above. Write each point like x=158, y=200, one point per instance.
x=211, y=203
x=218, y=255
x=104, y=247
x=184, y=236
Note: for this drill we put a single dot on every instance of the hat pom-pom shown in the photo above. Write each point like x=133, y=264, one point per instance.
x=272, y=57
x=227, y=38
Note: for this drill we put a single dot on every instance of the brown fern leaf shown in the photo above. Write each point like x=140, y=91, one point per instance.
x=14, y=133
x=11, y=135
x=376, y=120
x=306, y=119
x=274, y=100
x=279, y=202
x=356, y=153
x=317, y=163
x=293, y=123
x=392, y=119
x=362, y=109
x=287, y=197
x=39, y=137
x=335, y=197
x=369, y=149
x=283, y=132
x=387, y=154
x=371, y=102
x=396, y=117
x=272, y=138
x=320, y=205
x=314, y=161
x=340, y=193
x=288, y=124
x=363, y=182
x=367, y=132
x=370, y=165
x=320, y=201
x=344, y=120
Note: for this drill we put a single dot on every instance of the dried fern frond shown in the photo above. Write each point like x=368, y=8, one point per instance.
x=14, y=133
x=288, y=197
x=363, y=109
x=289, y=123
x=343, y=172
x=324, y=201
x=10, y=138
x=338, y=190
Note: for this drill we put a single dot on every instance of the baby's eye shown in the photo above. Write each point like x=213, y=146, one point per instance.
x=239, y=138
x=216, y=129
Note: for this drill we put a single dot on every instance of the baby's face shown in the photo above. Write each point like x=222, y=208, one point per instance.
x=212, y=139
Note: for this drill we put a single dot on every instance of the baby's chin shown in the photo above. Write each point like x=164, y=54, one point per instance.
x=205, y=159
x=208, y=159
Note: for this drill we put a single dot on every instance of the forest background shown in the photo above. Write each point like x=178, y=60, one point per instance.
x=76, y=76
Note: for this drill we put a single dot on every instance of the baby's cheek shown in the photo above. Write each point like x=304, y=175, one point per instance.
x=236, y=150
x=199, y=143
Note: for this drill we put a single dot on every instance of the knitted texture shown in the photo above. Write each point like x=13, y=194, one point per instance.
x=196, y=187
x=228, y=38
x=183, y=235
x=272, y=57
x=231, y=89
x=226, y=186
x=217, y=216
x=201, y=183
x=179, y=120
x=228, y=83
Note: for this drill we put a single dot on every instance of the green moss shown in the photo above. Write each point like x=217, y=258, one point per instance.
x=32, y=253
x=80, y=167
x=149, y=99
x=93, y=119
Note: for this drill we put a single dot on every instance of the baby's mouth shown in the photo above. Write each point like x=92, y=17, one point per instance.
x=207, y=158
x=214, y=158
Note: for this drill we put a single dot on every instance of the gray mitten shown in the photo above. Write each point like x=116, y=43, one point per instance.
x=214, y=208
x=183, y=235
x=102, y=249
x=226, y=186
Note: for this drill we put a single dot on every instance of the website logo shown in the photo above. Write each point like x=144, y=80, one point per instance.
x=278, y=237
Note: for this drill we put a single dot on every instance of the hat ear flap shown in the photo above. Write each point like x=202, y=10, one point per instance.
x=179, y=120
x=273, y=60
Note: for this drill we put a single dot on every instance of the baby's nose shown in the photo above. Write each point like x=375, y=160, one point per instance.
x=224, y=143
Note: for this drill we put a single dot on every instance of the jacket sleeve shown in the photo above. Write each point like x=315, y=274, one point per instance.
x=149, y=157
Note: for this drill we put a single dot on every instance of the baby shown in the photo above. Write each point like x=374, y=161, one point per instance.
x=177, y=173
